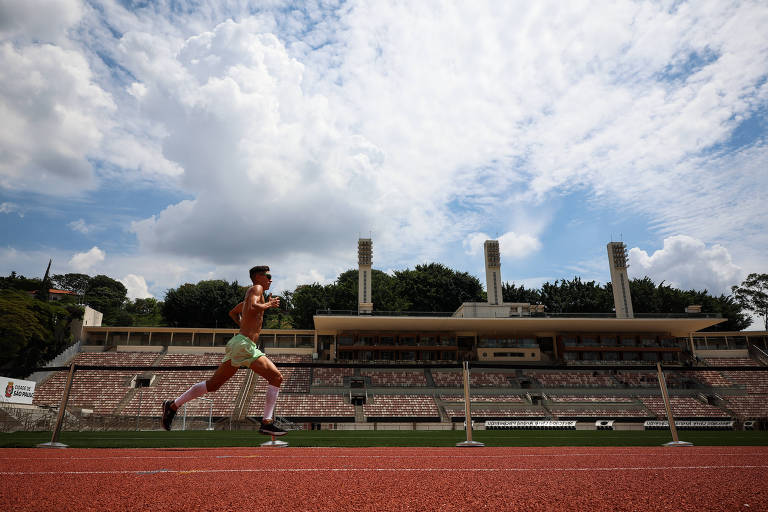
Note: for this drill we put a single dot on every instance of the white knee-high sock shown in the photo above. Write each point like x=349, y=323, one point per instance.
x=270, y=400
x=195, y=391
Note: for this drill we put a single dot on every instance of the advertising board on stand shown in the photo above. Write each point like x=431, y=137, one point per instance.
x=16, y=391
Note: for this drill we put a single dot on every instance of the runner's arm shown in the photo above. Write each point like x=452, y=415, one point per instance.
x=236, y=312
x=253, y=299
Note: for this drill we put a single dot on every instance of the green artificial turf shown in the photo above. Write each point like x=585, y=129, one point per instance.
x=350, y=438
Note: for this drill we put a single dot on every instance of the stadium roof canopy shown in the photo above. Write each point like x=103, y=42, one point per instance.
x=353, y=322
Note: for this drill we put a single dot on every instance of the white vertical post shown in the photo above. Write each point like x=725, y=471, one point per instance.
x=467, y=411
x=210, y=411
x=138, y=411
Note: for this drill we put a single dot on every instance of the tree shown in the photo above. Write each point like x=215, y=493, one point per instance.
x=512, y=293
x=646, y=297
x=342, y=295
x=649, y=298
x=108, y=296
x=205, y=304
x=729, y=308
x=15, y=281
x=281, y=318
x=306, y=300
x=73, y=282
x=576, y=296
x=385, y=292
x=435, y=287
x=145, y=312
x=32, y=332
x=753, y=295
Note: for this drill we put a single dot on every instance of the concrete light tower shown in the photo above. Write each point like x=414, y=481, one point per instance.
x=493, y=271
x=364, y=260
x=617, y=260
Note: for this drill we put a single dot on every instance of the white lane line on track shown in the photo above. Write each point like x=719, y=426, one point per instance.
x=348, y=470
x=409, y=456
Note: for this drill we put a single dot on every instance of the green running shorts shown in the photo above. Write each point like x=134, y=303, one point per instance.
x=241, y=351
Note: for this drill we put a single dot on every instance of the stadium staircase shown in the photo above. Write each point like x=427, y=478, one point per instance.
x=758, y=354
x=125, y=400
x=441, y=406
x=159, y=358
x=244, y=396
x=133, y=391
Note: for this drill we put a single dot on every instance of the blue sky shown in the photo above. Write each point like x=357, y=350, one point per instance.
x=169, y=142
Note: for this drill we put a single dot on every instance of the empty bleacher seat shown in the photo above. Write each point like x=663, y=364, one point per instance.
x=390, y=407
x=396, y=378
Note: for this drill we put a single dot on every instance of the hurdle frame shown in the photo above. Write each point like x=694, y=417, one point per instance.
x=668, y=406
x=469, y=443
x=54, y=442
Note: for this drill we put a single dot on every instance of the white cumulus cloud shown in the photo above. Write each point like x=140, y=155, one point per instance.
x=511, y=245
x=270, y=172
x=687, y=263
x=80, y=226
x=84, y=261
x=54, y=116
x=39, y=20
x=284, y=134
x=137, y=287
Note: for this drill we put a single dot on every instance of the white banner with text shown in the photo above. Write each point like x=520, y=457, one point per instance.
x=17, y=391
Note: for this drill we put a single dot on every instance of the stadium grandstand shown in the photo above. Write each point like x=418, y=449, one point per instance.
x=367, y=369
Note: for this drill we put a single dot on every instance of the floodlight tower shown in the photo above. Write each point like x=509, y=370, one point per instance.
x=493, y=271
x=617, y=260
x=364, y=259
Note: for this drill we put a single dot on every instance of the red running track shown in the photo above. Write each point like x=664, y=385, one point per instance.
x=362, y=479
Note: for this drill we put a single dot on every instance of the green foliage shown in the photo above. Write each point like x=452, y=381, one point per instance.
x=145, y=312
x=342, y=295
x=576, y=296
x=205, y=304
x=650, y=298
x=18, y=282
x=429, y=287
x=280, y=318
x=435, y=287
x=77, y=283
x=512, y=293
x=307, y=299
x=753, y=295
x=32, y=332
x=386, y=293
x=108, y=296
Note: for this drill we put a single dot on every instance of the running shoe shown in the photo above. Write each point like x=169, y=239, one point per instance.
x=168, y=414
x=269, y=428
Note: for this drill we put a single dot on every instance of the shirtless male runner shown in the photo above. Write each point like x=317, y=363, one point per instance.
x=242, y=350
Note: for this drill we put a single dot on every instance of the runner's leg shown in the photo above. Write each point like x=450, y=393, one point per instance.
x=267, y=369
x=222, y=374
